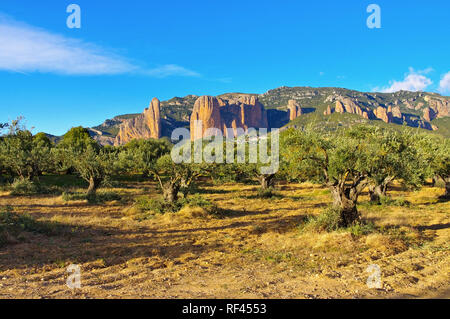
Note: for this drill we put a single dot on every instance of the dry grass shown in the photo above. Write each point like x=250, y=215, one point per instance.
x=253, y=250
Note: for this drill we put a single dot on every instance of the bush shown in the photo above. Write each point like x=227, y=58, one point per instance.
x=329, y=221
x=145, y=207
x=23, y=186
x=360, y=229
x=13, y=224
x=387, y=201
x=266, y=192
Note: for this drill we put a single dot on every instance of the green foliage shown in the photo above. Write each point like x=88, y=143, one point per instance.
x=100, y=197
x=328, y=221
x=388, y=201
x=77, y=138
x=149, y=207
x=266, y=192
x=24, y=155
x=22, y=186
x=361, y=229
x=141, y=155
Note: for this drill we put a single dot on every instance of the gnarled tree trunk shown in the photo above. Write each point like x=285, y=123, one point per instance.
x=94, y=184
x=376, y=191
x=266, y=181
x=345, y=202
x=447, y=187
x=170, y=191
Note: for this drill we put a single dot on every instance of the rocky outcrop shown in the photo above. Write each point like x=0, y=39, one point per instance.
x=206, y=110
x=244, y=113
x=428, y=114
x=383, y=114
x=339, y=107
x=328, y=111
x=440, y=105
x=346, y=105
x=294, y=110
x=396, y=113
x=146, y=125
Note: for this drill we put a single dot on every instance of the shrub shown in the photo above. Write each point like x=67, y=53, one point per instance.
x=100, y=197
x=387, y=201
x=22, y=186
x=266, y=192
x=361, y=228
x=145, y=207
x=329, y=221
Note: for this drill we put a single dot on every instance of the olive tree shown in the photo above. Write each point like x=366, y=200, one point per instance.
x=393, y=157
x=436, y=152
x=24, y=155
x=94, y=165
x=341, y=160
x=141, y=155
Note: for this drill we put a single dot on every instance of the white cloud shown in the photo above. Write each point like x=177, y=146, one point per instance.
x=169, y=70
x=444, y=85
x=24, y=48
x=413, y=81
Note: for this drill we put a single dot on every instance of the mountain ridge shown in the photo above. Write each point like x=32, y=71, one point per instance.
x=415, y=109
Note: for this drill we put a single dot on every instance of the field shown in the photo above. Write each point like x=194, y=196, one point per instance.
x=255, y=248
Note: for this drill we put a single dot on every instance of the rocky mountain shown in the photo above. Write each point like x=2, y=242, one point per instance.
x=277, y=108
x=244, y=112
x=146, y=125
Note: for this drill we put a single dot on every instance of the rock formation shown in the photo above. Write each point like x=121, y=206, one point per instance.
x=207, y=110
x=339, y=107
x=383, y=114
x=294, y=110
x=397, y=113
x=328, y=111
x=244, y=113
x=146, y=125
x=440, y=105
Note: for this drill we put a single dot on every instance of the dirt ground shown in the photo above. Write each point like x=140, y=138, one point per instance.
x=255, y=250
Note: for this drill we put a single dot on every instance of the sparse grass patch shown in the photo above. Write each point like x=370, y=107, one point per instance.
x=147, y=208
x=13, y=225
x=330, y=220
x=388, y=201
x=100, y=197
x=266, y=192
x=26, y=187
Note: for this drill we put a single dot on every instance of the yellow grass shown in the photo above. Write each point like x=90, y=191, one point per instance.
x=255, y=250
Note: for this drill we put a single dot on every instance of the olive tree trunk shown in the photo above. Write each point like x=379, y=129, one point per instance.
x=94, y=184
x=376, y=191
x=170, y=191
x=447, y=187
x=266, y=181
x=345, y=204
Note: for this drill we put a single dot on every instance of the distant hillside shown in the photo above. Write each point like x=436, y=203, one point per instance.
x=424, y=110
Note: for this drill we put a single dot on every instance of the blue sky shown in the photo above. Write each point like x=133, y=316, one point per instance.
x=128, y=52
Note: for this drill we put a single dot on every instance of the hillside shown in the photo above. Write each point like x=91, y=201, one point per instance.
x=424, y=110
